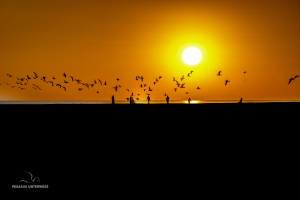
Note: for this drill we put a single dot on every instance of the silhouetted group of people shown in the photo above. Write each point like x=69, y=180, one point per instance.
x=148, y=98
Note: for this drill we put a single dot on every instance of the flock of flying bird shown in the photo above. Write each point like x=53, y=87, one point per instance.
x=25, y=81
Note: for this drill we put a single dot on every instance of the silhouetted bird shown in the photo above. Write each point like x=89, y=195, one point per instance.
x=65, y=75
x=66, y=81
x=182, y=85
x=141, y=85
x=136, y=78
x=175, y=89
x=51, y=83
x=154, y=83
x=37, y=86
x=127, y=90
x=12, y=86
x=147, y=94
x=118, y=79
x=219, y=73
x=186, y=93
x=165, y=94
x=188, y=75
x=226, y=82
x=105, y=83
x=150, y=89
x=192, y=72
x=198, y=88
x=127, y=99
x=290, y=80
x=53, y=77
x=9, y=75
x=156, y=80
x=142, y=78
x=119, y=85
x=115, y=88
x=144, y=90
x=78, y=81
x=244, y=72
x=72, y=78
x=296, y=76
x=97, y=92
x=44, y=78
x=160, y=77
x=174, y=79
x=28, y=77
x=182, y=78
x=138, y=94
x=145, y=85
x=137, y=99
x=92, y=85
x=23, y=89
x=64, y=88
x=131, y=94
x=58, y=85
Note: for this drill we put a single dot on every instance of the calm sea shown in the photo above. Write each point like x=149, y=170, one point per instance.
x=146, y=102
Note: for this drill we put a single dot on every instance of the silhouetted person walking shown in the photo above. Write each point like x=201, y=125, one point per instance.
x=113, y=99
x=148, y=99
x=189, y=100
x=241, y=100
x=167, y=99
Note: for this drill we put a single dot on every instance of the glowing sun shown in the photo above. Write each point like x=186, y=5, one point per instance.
x=191, y=55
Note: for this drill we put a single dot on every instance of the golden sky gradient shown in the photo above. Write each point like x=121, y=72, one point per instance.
x=106, y=40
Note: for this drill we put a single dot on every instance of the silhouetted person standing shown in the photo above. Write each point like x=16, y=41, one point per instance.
x=167, y=99
x=189, y=100
x=241, y=100
x=148, y=99
x=130, y=100
x=113, y=99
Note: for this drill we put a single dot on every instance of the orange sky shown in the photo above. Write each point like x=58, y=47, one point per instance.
x=106, y=40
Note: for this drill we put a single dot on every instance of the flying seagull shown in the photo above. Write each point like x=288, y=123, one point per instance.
x=291, y=80
x=197, y=88
x=226, y=82
x=219, y=73
x=65, y=75
x=115, y=88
